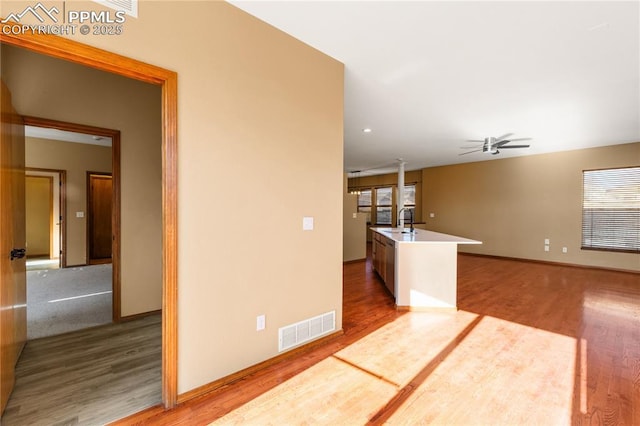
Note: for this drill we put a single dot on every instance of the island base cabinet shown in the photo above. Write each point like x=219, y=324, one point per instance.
x=428, y=273
x=383, y=256
x=390, y=266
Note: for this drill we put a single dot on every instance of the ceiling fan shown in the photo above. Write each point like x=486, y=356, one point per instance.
x=493, y=145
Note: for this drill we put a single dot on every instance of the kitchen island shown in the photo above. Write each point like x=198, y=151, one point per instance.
x=419, y=268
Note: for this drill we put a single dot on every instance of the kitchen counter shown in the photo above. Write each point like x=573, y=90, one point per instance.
x=420, y=268
x=402, y=235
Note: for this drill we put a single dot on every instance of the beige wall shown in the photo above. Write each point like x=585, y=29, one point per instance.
x=38, y=212
x=260, y=146
x=59, y=90
x=354, y=235
x=76, y=159
x=513, y=204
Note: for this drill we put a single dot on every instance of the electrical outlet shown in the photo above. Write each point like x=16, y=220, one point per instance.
x=546, y=248
x=564, y=249
x=260, y=322
x=546, y=241
x=432, y=215
x=355, y=215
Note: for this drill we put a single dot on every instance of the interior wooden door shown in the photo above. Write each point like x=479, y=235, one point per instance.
x=13, y=296
x=99, y=198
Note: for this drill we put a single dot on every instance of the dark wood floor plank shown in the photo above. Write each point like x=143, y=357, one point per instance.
x=88, y=377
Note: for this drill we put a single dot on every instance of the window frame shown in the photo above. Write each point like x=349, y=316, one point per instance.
x=410, y=205
x=590, y=227
x=384, y=206
x=369, y=206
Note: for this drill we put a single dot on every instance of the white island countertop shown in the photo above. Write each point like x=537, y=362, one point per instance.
x=401, y=235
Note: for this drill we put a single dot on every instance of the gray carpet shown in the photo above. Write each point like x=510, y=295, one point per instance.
x=63, y=300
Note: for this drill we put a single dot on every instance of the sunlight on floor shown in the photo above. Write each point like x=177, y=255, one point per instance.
x=582, y=373
x=608, y=302
x=82, y=296
x=431, y=368
x=38, y=264
x=525, y=376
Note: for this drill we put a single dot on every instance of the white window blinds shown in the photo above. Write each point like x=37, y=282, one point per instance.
x=611, y=209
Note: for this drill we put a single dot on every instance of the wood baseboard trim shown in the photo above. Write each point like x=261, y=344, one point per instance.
x=199, y=391
x=100, y=261
x=141, y=417
x=140, y=315
x=31, y=256
x=432, y=309
x=548, y=262
x=348, y=262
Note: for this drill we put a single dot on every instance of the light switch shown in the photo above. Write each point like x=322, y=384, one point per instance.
x=546, y=241
x=260, y=322
x=307, y=223
x=432, y=215
x=79, y=214
x=355, y=215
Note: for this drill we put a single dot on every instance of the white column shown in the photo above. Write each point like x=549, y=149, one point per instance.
x=400, y=192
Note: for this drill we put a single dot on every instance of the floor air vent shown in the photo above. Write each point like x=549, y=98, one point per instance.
x=303, y=331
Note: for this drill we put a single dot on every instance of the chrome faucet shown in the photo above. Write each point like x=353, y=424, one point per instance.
x=410, y=218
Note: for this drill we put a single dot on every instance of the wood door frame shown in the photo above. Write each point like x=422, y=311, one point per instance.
x=114, y=231
x=63, y=209
x=62, y=48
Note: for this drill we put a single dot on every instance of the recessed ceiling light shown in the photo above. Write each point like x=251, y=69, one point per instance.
x=366, y=130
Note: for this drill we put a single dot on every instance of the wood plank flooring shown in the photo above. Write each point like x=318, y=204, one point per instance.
x=530, y=344
x=88, y=377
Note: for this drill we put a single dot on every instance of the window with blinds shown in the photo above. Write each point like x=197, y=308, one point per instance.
x=384, y=204
x=364, y=203
x=611, y=209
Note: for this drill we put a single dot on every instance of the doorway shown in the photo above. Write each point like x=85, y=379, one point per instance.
x=39, y=202
x=99, y=210
x=37, y=222
x=63, y=299
x=105, y=61
x=73, y=147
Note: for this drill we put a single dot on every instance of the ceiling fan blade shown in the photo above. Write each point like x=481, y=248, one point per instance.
x=506, y=135
x=501, y=143
x=514, y=146
x=469, y=147
x=496, y=152
x=519, y=139
x=469, y=152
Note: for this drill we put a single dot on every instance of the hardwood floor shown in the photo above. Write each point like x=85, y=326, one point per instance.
x=88, y=377
x=530, y=344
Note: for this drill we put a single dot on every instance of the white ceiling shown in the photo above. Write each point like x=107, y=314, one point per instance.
x=65, y=136
x=426, y=76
